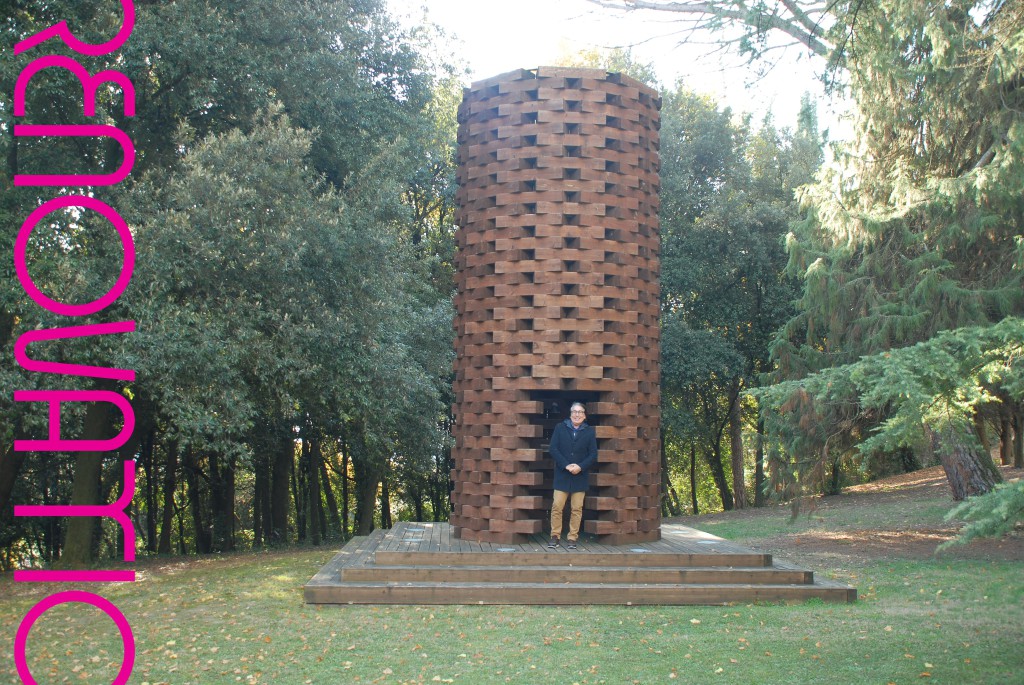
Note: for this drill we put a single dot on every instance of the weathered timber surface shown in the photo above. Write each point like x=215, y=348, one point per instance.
x=423, y=563
x=557, y=275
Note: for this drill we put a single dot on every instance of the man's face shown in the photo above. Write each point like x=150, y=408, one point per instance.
x=577, y=416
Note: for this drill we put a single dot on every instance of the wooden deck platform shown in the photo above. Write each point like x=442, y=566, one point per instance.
x=421, y=563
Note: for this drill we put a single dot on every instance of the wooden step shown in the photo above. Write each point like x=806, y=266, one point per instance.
x=580, y=557
x=572, y=593
x=423, y=564
x=576, y=574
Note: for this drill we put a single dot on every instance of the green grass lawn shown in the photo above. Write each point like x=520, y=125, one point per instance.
x=240, y=619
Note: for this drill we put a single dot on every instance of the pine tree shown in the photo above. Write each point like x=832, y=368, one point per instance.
x=915, y=230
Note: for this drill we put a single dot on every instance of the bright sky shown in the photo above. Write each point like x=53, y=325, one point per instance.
x=496, y=36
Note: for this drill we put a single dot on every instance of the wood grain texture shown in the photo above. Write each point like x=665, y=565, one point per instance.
x=424, y=563
x=557, y=275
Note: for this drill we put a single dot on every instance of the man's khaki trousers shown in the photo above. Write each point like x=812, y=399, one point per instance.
x=575, y=513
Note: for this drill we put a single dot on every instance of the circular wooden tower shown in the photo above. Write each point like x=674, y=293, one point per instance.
x=557, y=275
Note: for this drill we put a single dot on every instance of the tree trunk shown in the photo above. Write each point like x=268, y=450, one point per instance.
x=909, y=461
x=385, y=504
x=739, y=484
x=669, y=498
x=440, y=486
x=280, y=497
x=321, y=511
x=333, y=514
x=981, y=430
x=148, y=462
x=181, y=529
x=7, y=319
x=714, y=460
x=1006, y=439
x=52, y=528
x=970, y=471
x=10, y=467
x=260, y=494
x=170, y=485
x=344, y=490
x=834, y=484
x=194, y=493
x=230, y=499
x=266, y=489
x=439, y=507
x=759, y=467
x=83, y=531
x=298, y=477
x=316, y=510
x=664, y=483
x=693, y=478
x=1018, y=437
x=222, y=502
x=367, y=480
x=366, y=499
x=416, y=495
x=11, y=462
x=111, y=487
x=264, y=444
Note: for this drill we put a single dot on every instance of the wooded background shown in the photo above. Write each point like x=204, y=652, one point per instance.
x=292, y=207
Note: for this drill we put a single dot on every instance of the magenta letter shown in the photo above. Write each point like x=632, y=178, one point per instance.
x=29, y=337
x=62, y=31
x=55, y=443
x=21, y=245
x=89, y=84
x=114, y=510
x=77, y=179
x=104, y=605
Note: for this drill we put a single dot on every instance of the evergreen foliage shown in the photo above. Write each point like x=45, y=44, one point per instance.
x=915, y=230
x=991, y=515
x=905, y=395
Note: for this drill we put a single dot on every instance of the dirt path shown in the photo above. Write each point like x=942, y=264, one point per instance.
x=885, y=533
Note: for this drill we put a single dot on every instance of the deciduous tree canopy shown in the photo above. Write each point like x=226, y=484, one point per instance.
x=293, y=328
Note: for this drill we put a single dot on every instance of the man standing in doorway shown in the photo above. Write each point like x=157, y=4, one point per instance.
x=574, y=449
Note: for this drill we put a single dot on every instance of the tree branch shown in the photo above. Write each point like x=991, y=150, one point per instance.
x=801, y=24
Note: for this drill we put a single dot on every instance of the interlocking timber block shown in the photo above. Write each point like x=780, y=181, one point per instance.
x=557, y=274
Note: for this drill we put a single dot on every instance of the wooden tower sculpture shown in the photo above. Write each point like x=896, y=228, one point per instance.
x=557, y=302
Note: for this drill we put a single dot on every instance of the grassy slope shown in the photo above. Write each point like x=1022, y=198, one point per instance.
x=240, y=619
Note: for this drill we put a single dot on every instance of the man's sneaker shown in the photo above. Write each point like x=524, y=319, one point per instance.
x=553, y=542
x=572, y=544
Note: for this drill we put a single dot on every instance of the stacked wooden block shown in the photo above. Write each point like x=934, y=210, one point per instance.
x=557, y=299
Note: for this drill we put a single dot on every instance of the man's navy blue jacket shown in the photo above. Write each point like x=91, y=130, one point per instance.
x=573, y=446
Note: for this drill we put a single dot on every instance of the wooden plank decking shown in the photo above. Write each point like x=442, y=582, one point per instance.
x=422, y=563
